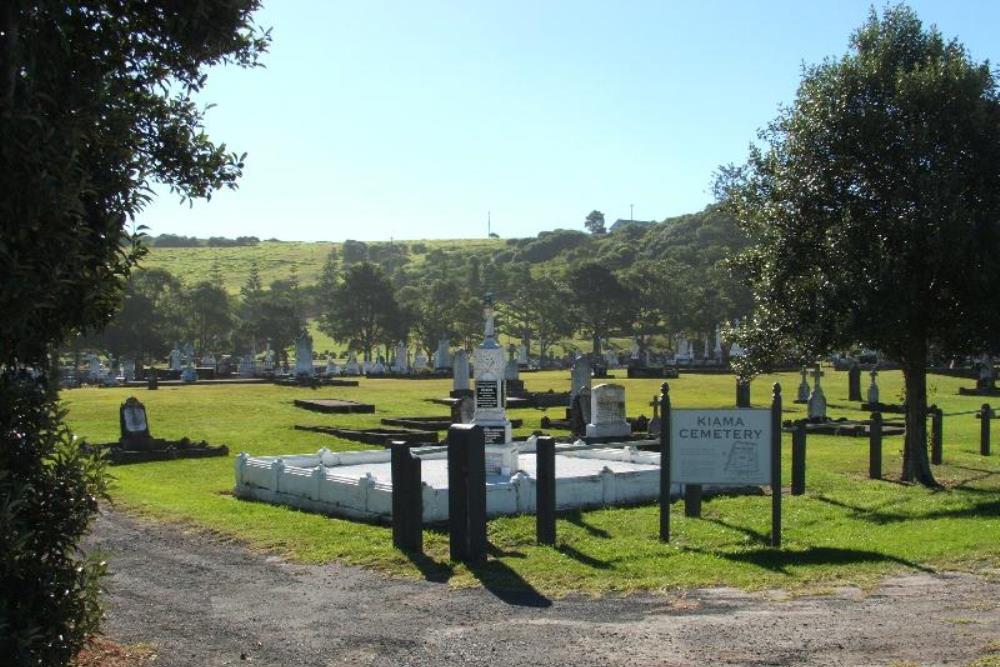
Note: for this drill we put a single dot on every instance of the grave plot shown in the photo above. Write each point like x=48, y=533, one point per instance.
x=434, y=423
x=334, y=405
x=846, y=427
x=302, y=381
x=375, y=435
x=136, y=445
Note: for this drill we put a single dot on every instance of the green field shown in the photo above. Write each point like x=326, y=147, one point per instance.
x=276, y=259
x=845, y=529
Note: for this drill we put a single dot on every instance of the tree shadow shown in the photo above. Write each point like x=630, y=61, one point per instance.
x=506, y=584
x=879, y=517
x=583, y=558
x=575, y=517
x=497, y=552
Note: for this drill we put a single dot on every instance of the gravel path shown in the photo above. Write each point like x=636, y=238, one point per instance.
x=202, y=601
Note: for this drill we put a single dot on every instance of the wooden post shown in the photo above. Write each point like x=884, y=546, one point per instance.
x=545, y=490
x=407, y=499
x=776, y=467
x=665, y=462
x=458, y=496
x=985, y=414
x=799, y=458
x=477, y=494
x=742, y=393
x=875, y=446
x=692, y=500
x=937, y=432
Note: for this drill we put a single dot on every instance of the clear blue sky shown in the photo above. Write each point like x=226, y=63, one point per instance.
x=413, y=119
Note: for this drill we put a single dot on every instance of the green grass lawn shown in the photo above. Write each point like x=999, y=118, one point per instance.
x=846, y=529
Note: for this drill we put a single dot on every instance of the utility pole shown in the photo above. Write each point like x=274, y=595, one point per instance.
x=489, y=225
x=631, y=214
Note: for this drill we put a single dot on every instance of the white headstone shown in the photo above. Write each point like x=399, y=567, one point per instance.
x=352, y=368
x=490, y=392
x=718, y=343
x=817, y=402
x=420, y=362
x=189, y=374
x=460, y=371
x=442, y=358
x=246, y=369
x=332, y=369
x=522, y=355
x=378, y=368
x=873, y=397
x=175, y=359
x=401, y=364
x=803, y=386
x=304, y=356
x=607, y=412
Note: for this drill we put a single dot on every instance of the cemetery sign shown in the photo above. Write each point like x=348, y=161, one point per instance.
x=722, y=447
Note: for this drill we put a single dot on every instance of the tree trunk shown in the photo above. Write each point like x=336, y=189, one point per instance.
x=597, y=346
x=916, y=465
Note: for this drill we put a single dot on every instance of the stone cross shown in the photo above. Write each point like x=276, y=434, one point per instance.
x=873, y=397
x=803, y=386
x=817, y=402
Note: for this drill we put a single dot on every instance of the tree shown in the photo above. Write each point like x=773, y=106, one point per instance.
x=95, y=108
x=873, y=208
x=148, y=322
x=209, y=316
x=601, y=303
x=361, y=309
x=279, y=316
x=595, y=223
x=538, y=307
x=251, y=298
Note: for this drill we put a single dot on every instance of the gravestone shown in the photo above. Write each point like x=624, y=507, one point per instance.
x=189, y=375
x=607, y=412
x=987, y=375
x=378, y=368
x=654, y=423
x=854, y=382
x=94, y=374
x=463, y=411
x=803, y=395
x=581, y=378
x=873, y=394
x=522, y=355
x=352, y=367
x=610, y=359
x=401, y=364
x=718, y=343
x=460, y=374
x=128, y=370
x=189, y=353
x=246, y=369
x=134, y=425
x=269, y=360
x=332, y=369
x=442, y=358
x=420, y=362
x=175, y=359
x=304, y=356
x=634, y=350
x=490, y=390
x=817, y=401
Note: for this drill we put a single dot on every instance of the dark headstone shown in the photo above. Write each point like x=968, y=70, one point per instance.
x=134, y=425
x=854, y=383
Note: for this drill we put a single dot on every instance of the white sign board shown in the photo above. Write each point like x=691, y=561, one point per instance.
x=726, y=447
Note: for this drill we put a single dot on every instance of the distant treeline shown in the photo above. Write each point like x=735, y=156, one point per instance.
x=177, y=241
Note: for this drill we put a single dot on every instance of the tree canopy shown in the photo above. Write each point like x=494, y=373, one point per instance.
x=873, y=210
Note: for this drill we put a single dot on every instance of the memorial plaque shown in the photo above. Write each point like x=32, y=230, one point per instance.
x=486, y=395
x=725, y=447
x=495, y=435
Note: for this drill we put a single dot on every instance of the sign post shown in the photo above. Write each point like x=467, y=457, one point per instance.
x=724, y=447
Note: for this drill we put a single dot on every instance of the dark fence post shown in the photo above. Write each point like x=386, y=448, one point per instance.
x=152, y=382
x=665, y=462
x=692, y=500
x=776, y=466
x=545, y=490
x=458, y=491
x=407, y=499
x=875, y=446
x=854, y=382
x=985, y=414
x=477, y=494
x=937, y=434
x=798, y=458
x=742, y=393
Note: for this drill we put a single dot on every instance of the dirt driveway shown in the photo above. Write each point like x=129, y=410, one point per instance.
x=202, y=601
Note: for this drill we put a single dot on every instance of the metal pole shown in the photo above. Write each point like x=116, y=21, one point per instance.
x=458, y=500
x=937, y=431
x=665, y=462
x=986, y=413
x=476, y=453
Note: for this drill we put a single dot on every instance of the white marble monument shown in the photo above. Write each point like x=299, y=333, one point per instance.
x=607, y=412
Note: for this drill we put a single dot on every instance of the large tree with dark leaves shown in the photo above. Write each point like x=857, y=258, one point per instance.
x=873, y=207
x=95, y=107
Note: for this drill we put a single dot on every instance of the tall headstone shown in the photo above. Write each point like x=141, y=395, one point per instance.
x=420, y=361
x=189, y=375
x=175, y=359
x=378, y=368
x=610, y=359
x=269, y=359
x=490, y=392
x=442, y=358
x=581, y=378
x=304, y=356
x=246, y=369
x=854, y=382
x=401, y=364
x=817, y=401
x=873, y=397
x=332, y=369
x=522, y=355
x=189, y=353
x=510, y=371
x=718, y=343
x=460, y=372
x=607, y=412
x=803, y=395
x=128, y=370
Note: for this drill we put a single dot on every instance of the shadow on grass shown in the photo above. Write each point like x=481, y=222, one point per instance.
x=432, y=570
x=764, y=538
x=506, y=584
x=575, y=517
x=778, y=560
x=583, y=558
x=981, y=509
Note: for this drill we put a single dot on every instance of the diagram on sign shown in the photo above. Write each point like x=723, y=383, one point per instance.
x=742, y=460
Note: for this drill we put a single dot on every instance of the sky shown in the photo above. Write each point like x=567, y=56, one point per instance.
x=419, y=120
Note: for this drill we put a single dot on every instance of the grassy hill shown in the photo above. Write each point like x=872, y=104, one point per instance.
x=280, y=259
